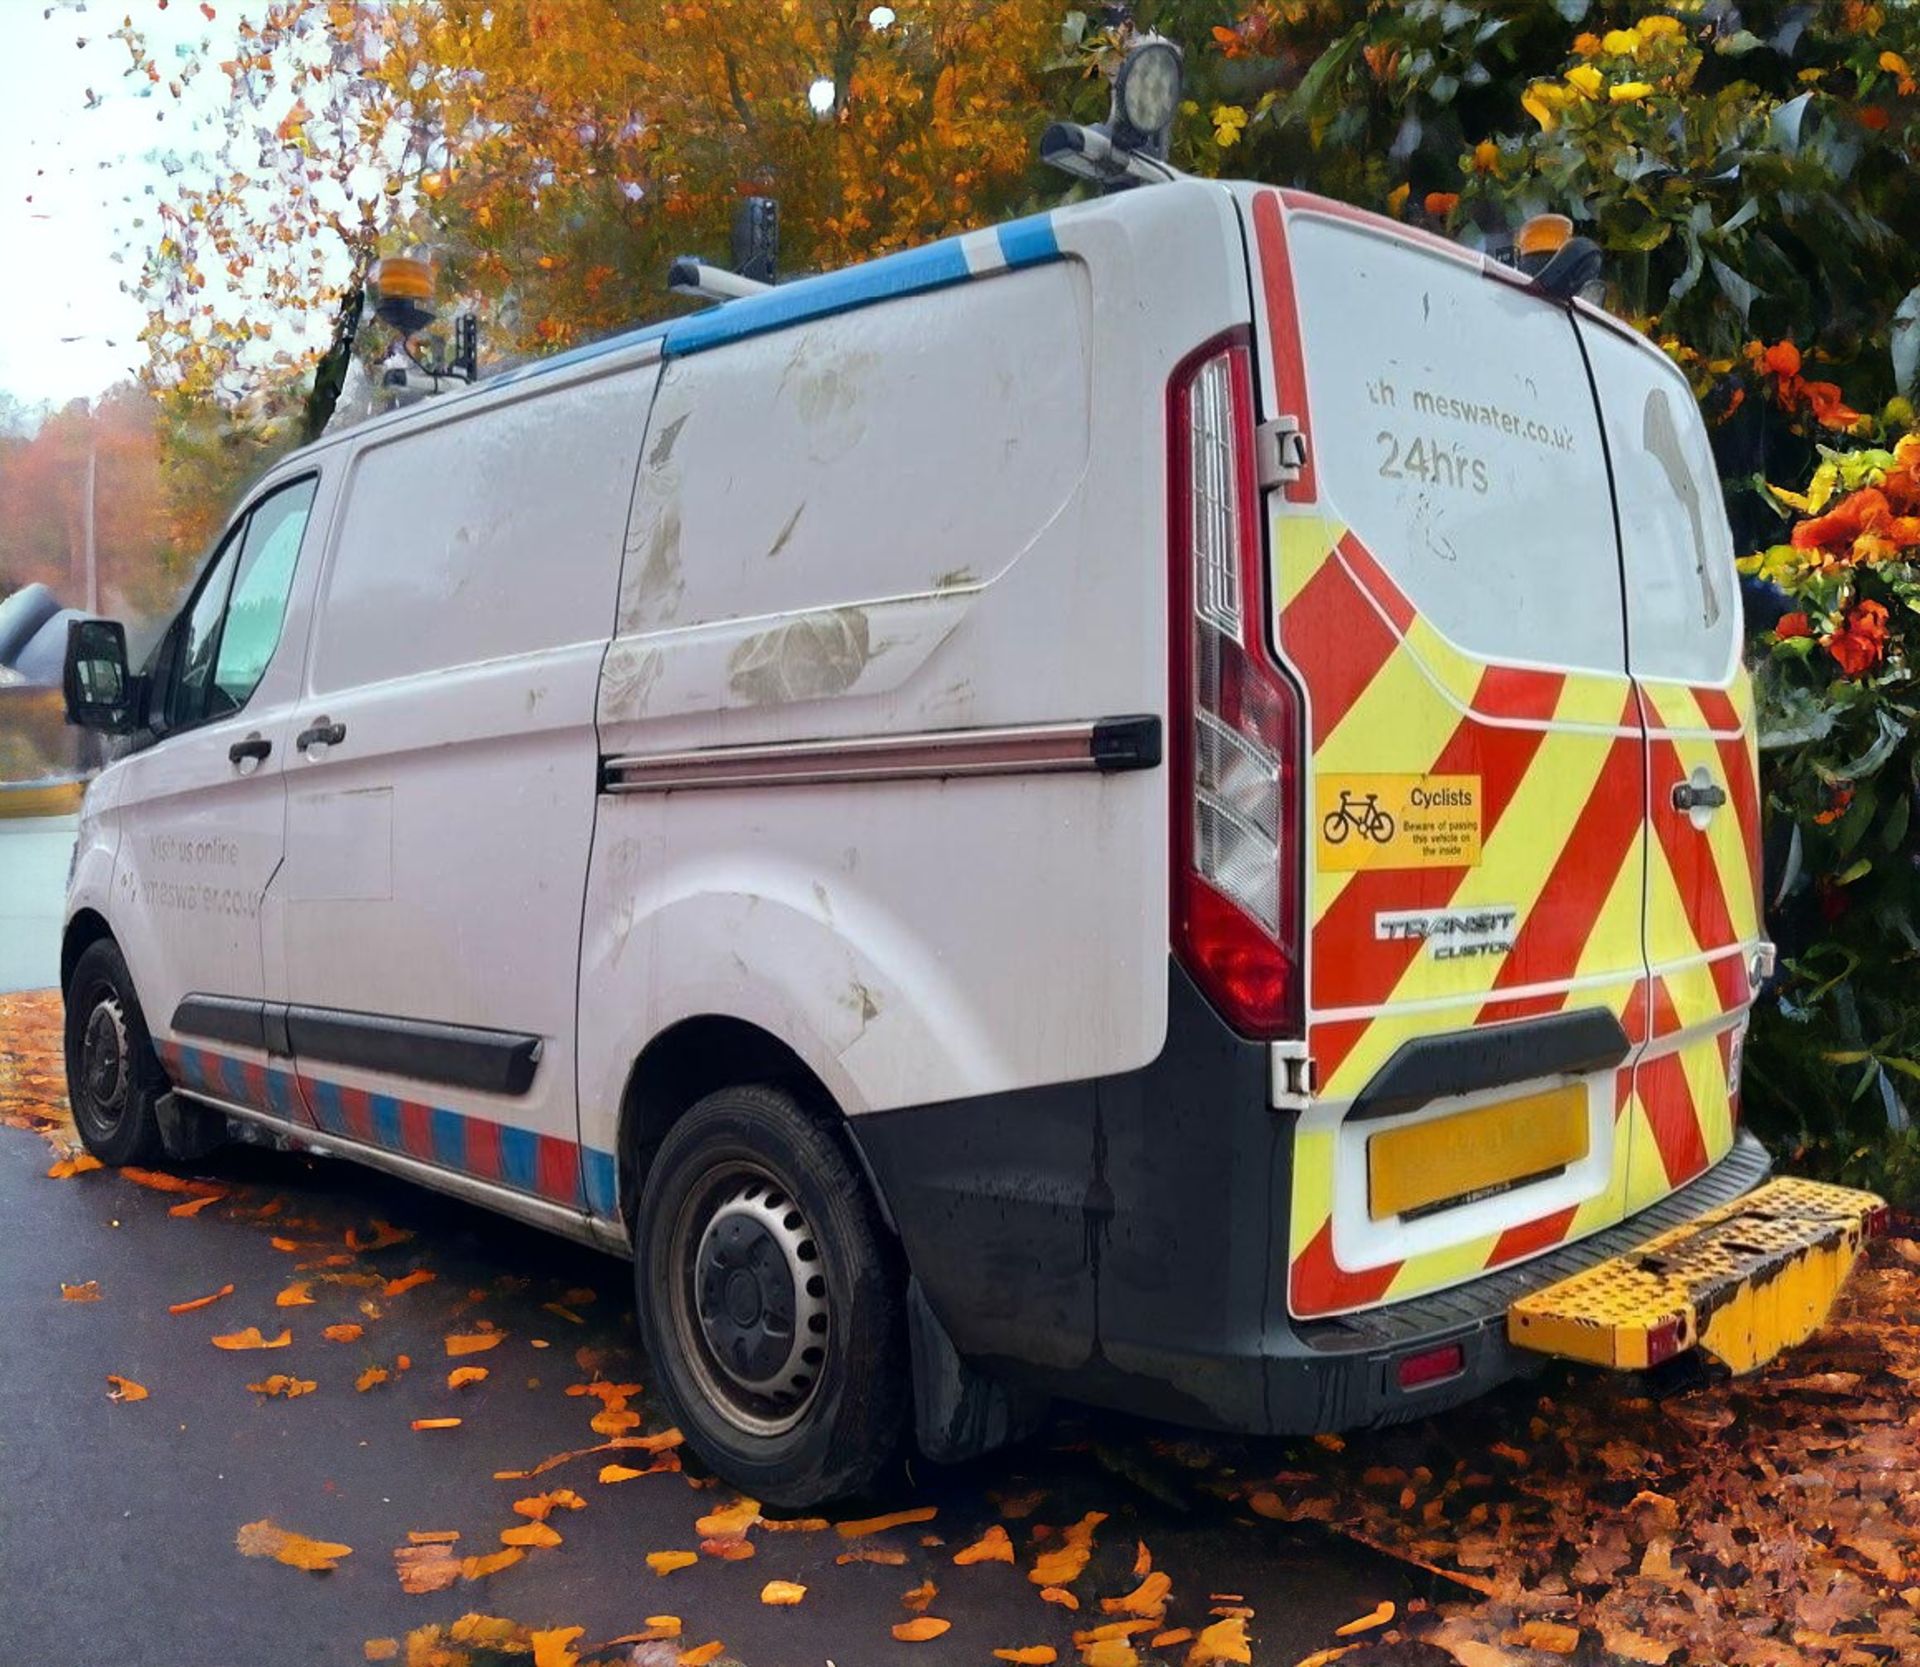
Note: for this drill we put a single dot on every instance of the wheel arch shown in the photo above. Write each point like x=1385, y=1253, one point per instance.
x=695, y=1057
x=83, y=931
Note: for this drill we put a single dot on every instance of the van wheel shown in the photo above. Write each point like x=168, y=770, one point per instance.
x=113, y=1075
x=769, y=1300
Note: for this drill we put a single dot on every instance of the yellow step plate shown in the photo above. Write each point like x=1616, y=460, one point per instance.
x=1744, y=1281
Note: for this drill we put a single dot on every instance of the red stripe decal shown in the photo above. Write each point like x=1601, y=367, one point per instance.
x=1514, y=692
x=1668, y=1104
x=1374, y=581
x=1333, y=1042
x=483, y=1148
x=1320, y=1285
x=1554, y=935
x=1283, y=330
x=558, y=1173
x=1622, y=1090
x=1666, y=1017
x=1736, y=763
x=1337, y=648
x=1521, y=1007
x=1689, y=856
x=416, y=1130
x=255, y=1078
x=1717, y=709
x=1531, y=1236
x=357, y=1110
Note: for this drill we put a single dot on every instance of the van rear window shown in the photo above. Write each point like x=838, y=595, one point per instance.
x=1455, y=434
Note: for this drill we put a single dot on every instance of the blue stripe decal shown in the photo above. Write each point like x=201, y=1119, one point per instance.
x=328, y=1112
x=449, y=1138
x=933, y=266
x=280, y=1093
x=601, y=1180
x=235, y=1081
x=1028, y=242
x=519, y=1150
x=386, y=1121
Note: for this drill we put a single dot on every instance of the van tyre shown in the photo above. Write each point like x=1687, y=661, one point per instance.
x=769, y=1299
x=113, y=1075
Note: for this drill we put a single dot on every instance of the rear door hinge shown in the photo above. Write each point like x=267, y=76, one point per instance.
x=1293, y=1076
x=1280, y=450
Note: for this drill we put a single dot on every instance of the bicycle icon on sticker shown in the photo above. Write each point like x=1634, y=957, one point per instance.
x=1363, y=816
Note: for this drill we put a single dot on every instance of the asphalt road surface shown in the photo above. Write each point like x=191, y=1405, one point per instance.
x=118, y=1520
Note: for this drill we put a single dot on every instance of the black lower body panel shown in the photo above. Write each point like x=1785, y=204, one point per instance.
x=1123, y=1241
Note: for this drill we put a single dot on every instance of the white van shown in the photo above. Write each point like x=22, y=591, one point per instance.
x=1154, y=804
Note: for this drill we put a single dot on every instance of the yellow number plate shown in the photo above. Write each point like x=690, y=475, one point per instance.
x=1422, y=1164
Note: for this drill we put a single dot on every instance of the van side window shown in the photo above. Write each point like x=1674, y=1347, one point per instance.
x=230, y=632
x=260, y=586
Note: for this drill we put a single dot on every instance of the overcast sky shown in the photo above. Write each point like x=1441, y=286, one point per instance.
x=73, y=180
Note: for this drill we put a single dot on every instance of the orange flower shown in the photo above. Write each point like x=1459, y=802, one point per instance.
x=1836, y=805
x=1872, y=117
x=1823, y=399
x=1861, y=527
x=1781, y=359
x=1861, y=643
x=1792, y=626
x=1442, y=203
x=1586, y=44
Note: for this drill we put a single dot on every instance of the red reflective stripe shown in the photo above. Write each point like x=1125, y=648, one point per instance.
x=1665, y=1016
x=1689, y=856
x=1522, y=1007
x=1717, y=709
x=1320, y=1285
x=1554, y=934
x=416, y=1130
x=1337, y=648
x=1332, y=1043
x=1622, y=1090
x=1736, y=762
x=357, y=1112
x=1283, y=335
x=1531, y=1236
x=255, y=1078
x=1353, y=968
x=483, y=1148
x=1515, y=692
x=557, y=1172
x=1668, y=1104
x=1375, y=582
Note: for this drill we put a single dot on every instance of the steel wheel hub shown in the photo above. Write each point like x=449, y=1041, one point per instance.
x=759, y=1299
x=104, y=1054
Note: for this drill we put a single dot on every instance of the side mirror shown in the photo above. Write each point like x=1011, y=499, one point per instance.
x=99, y=688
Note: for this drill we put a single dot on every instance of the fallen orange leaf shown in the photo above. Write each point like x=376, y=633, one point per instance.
x=348, y=1333
x=530, y=1534
x=781, y=1593
x=1029, y=1655
x=619, y=1473
x=426, y=1568
x=1142, y=1560
x=1149, y=1598
x=920, y=1629
x=892, y=1559
x=281, y=1384
x=251, y=1339
x=194, y=1206
x=1550, y=1636
x=875, y=1525
x=702, y=1655
x=1635, y=1646
x=1059, y=1595
x=563, y=1312
x=659, y=1628
x=372, y=1375
x=432, y=1536
x=736, y=1518
x=992, y=1547
x=473, y=1342
x=461, y=1376
x=551, y=1649
x=384, y=1234
x=78, y=1164
x=266, y=1538
x=1224, y=1641
x=125, y=1389
x=613, y=1420
x=792, y=1525
x=540, y=1506
x=1167, y=1640
x=1324, y=1658
x=89, y=1292
x=478, y=1568
x=297, y=1295
x=920, y=1597
x=1109, y=1652
x=435, y=1423
x=1064, y=1562
x=729, y=1548
x=288, y=1245
x=665, y=1562
x=199, y=1302
x=1367, y=1622
x=380, y=1649
x=406, y=1282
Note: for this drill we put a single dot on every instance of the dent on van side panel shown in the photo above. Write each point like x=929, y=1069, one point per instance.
x=930, y=516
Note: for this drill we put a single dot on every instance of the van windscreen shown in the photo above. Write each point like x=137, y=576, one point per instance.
x=1455, y=434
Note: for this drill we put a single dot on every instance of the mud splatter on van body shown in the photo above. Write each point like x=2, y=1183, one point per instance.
x=812, y=657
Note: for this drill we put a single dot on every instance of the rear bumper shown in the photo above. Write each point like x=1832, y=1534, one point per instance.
x=1123, y=1242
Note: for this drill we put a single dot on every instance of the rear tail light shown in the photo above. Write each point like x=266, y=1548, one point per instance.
x=1235, y=718
x=1416, y=1371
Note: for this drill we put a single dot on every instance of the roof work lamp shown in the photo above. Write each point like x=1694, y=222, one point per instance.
x=1130, y=146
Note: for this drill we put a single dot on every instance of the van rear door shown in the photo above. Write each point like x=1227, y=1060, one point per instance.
x=1447, y=592
x=1703, y=806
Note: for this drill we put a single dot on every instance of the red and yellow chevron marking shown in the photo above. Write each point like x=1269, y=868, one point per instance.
x=1563, y=766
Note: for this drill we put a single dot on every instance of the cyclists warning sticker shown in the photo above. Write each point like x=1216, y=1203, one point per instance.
x=1397, y=821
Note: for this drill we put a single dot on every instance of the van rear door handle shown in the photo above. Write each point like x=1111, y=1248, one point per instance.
x=321, y=734
x=255, y=747
x=1690, y=795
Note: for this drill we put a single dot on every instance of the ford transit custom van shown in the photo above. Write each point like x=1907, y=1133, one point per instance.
x=1154, y=804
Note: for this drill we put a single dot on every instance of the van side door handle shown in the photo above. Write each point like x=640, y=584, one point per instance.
x=1689, y=795
x=321, y=734
x=255, y=747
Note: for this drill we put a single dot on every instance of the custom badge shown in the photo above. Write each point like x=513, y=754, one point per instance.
x=1397, y=821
